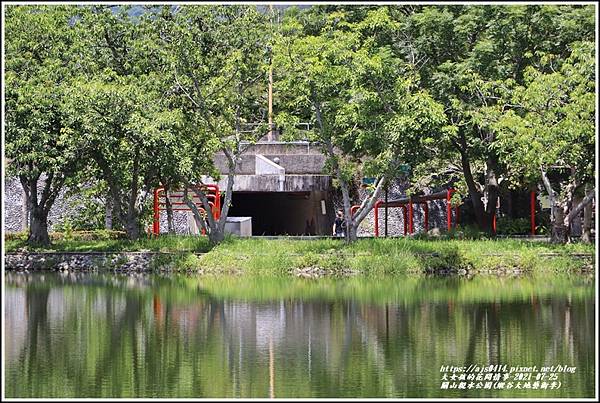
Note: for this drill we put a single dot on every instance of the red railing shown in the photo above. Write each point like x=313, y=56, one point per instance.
x=212, y=194
x=408, y=211
x=424, y=201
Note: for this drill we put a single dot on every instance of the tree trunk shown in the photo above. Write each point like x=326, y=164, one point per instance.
x=216, y=237
x=575, y=222
x=38, y=232
x=493, y=192
x=559, y=230
x=26, y=218
x=131, y=222
x=586, y=235
x=131, y=227
x=351, y=232
x=577, y=208
x=474, y=192
x=558, y=233
x=108, y=214
x=169, y=207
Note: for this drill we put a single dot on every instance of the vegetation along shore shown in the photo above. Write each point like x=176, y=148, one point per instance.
x=316, y=257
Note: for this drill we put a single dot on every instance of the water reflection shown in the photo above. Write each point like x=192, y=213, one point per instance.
x=94, y=335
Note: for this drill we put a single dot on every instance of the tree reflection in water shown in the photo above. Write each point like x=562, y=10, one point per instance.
x=106, y=336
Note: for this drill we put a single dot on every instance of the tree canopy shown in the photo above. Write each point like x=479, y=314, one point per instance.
x=480, y=97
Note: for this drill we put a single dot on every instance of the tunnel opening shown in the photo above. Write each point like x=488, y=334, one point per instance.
x=282, y=213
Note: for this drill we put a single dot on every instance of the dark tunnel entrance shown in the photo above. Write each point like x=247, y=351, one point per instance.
x=283, y=213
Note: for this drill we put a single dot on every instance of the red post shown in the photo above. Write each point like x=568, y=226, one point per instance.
x=405, y=219
x=532, y=207
x=377, y=203
x=426, y=208
x=410, y=215
x=494, y=223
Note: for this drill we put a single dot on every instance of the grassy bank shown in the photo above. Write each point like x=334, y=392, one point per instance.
x=101, y=242
x=367, y=256
x=395, y=256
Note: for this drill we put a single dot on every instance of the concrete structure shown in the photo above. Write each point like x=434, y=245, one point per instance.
x=239, y=226
x=281, y=185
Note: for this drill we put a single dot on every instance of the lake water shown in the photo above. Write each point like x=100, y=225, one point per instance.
x=91, y=335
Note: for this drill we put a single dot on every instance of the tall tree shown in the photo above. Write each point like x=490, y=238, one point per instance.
x=364, y=103
x=468, y=57
x=550, y=126
x=40, y=63
x=123, y=130
x=217, y=58
x=119, y=108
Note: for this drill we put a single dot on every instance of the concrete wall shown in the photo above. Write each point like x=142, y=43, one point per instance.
x=272, y=183
x=292, y=163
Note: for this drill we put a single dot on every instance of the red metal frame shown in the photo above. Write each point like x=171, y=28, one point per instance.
x=407, y=207
x=213, y=196
x=423, y=200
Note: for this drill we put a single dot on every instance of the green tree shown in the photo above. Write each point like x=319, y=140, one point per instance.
x=364, y=102
x=470, y=57
x=217, y=59
x=552, y=124
x=120, y=111
x=124, y=133
x=41, y=60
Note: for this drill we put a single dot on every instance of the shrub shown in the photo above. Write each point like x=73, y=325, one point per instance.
x=16, y=236
x=513, y=226
x=93, y=235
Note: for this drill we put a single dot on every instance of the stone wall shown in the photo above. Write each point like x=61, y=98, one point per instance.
x=88, y=261
x=63, y=208
x=14, y=198
x=13, y=205
x=397, y=190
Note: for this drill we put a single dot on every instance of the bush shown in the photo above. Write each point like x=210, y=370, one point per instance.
x=93, y=235
x=513, y=226
x=16, y=236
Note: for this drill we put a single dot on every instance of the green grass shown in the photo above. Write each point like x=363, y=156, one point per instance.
x=164, y=243
x=367, y=256
x=393, y=256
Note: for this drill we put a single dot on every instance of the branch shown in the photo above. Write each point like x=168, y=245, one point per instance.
x=589, y=197
x=46, y=191
x=185, y=91
x=368, y=203
x=226, y=202
x=55, y=191
x=190, y=203
x=207, y=209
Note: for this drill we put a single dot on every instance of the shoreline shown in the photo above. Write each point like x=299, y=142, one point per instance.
x=313, y=260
